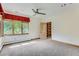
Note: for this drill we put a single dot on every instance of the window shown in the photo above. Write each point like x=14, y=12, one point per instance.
x=25, y=27
x=17, y=27
x=7, y=27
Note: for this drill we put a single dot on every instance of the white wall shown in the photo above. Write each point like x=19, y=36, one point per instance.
x=66, y=26
x=34, y=28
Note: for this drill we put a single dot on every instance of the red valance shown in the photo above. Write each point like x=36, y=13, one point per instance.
x=15, y=17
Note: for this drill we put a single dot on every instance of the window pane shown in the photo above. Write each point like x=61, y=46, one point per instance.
x=25, y=27
x=17, y=27
x=7, y=27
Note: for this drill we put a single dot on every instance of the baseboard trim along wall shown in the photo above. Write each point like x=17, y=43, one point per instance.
x=67, y=43
x=35, y=38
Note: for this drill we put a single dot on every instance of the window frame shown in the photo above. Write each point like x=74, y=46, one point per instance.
x=13, y=28
x=3, y=27
x=22, y=28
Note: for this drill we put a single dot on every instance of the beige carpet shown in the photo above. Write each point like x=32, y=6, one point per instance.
x=40, y=47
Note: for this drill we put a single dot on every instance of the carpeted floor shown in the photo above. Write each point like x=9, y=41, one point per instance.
x=40, y=47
